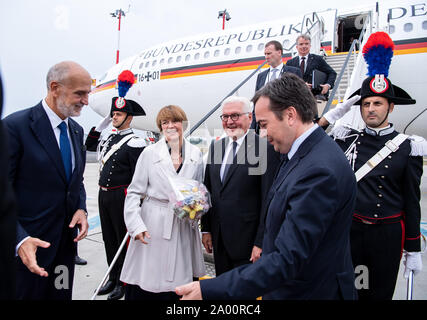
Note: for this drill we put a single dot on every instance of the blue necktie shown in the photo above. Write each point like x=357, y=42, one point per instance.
x=64, y=146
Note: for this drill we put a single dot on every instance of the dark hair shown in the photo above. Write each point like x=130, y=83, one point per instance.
x=277, y=45
x=289, y=90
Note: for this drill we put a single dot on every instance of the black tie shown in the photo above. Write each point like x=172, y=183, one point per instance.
x=302, y=65
x=230, y=158
x=284, y=160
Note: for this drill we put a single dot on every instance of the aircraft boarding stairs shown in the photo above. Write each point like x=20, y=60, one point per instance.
x=337, y=62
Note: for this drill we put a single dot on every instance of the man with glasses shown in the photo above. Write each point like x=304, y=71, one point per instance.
x=239, y=173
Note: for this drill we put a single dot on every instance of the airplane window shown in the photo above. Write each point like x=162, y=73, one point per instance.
x=216, y=53
x=285, y=43
x=178, y=59
x=206, y=54
x=141, y=65
x=227, y=51
x=238, y=50
x=425, y=25
x=249, y=48
x=407, y=27
x=391, y=29
x=147, y=64
x=187, y=57
x=260, y=46
x=197, y=56
x=162, y=61
x=154, y=63
x=170, y=60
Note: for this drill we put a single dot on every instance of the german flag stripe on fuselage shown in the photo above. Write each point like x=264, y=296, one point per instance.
x=409, y=46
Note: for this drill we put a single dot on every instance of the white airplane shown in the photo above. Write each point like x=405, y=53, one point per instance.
x=198, y=72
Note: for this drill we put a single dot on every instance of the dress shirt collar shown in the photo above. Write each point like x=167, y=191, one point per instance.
x=300, y=140
x=278, y=68
x=306, y=58
x=54, y=119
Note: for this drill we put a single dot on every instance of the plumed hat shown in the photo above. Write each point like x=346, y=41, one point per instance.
x=125, y=80
x=378, y=52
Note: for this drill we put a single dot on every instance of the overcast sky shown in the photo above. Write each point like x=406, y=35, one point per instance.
x=34, y=35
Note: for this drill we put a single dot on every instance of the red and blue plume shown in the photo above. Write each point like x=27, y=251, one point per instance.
x=378, y=52
x=125, y=80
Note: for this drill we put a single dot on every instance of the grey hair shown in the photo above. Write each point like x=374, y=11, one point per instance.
x=304, y=36
x=59, y=72
x=247, y=104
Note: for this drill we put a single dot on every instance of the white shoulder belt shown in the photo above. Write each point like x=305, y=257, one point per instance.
x=114, y=148
x=390, y=146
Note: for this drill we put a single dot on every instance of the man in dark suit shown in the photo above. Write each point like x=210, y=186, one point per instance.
x=273, y=52
x=233, y=226
x=308, y=62
x=7, y=219
x=47, y=160
x=306, y=248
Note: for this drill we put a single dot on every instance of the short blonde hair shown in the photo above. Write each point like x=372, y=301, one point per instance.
x=173, y=113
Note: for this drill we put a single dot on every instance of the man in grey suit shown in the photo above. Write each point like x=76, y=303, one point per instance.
x=234, y=227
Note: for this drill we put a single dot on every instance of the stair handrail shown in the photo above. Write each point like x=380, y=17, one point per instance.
x=345, y=65
x=198, y=124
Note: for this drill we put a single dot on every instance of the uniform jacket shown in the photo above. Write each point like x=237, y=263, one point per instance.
x=306, y=249
x=237, y=202
x=174, y=254
x=391, y=191
x=313, y=62
x=46, y=202
x=118, y=170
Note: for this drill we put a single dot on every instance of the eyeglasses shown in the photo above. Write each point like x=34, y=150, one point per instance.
x=234, y=116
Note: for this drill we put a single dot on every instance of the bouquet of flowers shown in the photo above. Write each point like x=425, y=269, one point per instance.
x=190, y=199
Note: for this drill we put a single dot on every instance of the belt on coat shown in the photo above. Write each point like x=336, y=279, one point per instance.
x=167, y=234
x=385, y=220
x=168, y=221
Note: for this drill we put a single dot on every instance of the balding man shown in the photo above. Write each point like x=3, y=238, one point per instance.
x=47, y=160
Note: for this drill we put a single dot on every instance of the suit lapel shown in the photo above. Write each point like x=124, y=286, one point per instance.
x=244, y=149
x=42, y=129
x=287, y=168
x=309, y=67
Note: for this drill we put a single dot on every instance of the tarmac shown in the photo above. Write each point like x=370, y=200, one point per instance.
x=88, y=277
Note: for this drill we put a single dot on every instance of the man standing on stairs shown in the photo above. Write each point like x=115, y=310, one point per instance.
x=308, y=62
x=273, y=52
x=118, y=156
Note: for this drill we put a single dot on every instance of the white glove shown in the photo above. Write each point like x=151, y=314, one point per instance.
x=104, y=123
x=412, y=262
x=340, y=110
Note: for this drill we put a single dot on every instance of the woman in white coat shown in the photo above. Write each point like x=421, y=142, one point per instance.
x=164, y=252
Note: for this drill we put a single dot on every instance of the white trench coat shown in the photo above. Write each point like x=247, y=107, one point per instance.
x=174, y=253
